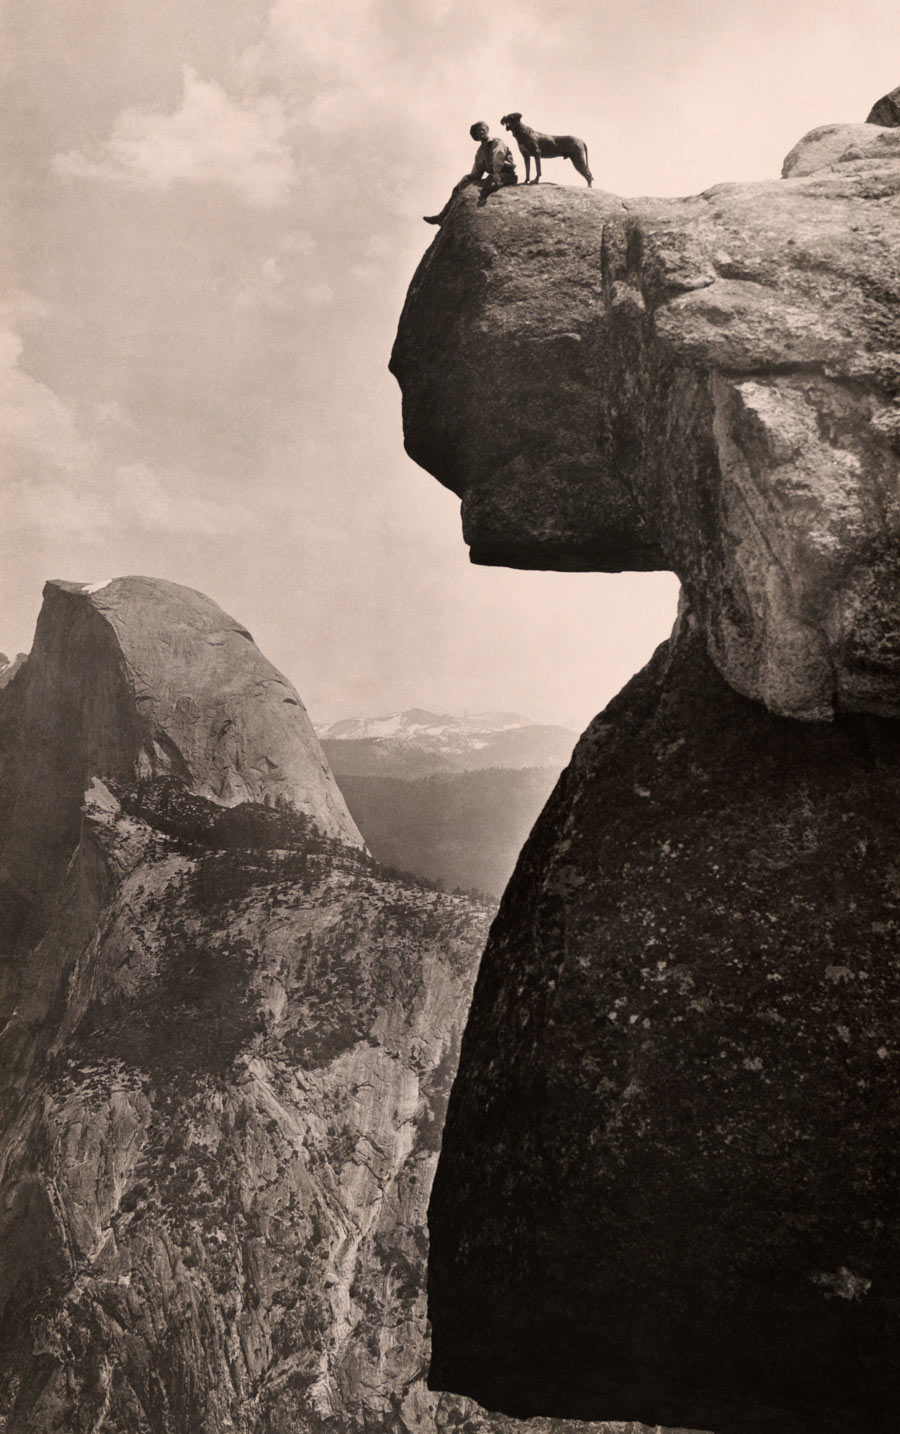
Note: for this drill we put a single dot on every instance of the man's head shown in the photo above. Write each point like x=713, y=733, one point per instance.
x=479, y=131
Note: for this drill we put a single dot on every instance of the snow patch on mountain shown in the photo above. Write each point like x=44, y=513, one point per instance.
x=415, y=722
x=417, y=743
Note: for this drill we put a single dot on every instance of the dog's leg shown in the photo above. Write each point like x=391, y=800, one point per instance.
x=580, y=163
x=527, y=158
x=537, y=165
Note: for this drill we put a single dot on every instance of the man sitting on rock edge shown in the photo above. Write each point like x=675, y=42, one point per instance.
x=493, y=159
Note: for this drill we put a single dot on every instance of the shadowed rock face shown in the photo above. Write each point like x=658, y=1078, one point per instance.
x=140, y=678
x=709, y=385
x=886, y=111
x=668, y=1179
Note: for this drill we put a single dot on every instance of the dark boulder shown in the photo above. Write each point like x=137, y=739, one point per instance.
x=886, y=111
x=668, y=1181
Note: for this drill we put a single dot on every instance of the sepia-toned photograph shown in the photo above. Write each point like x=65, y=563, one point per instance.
x=449, y=701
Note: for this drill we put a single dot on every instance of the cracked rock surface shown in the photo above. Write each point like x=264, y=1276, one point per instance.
x=217, y=1146
x=709, y=384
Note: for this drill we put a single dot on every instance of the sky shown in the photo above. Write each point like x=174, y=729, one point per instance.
x=211, y=213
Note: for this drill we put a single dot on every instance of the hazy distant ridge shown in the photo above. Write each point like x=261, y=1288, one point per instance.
x=417, y=743
x=416, y=722
x=449, y=798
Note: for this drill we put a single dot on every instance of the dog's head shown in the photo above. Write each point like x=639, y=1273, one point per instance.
x=511, y=120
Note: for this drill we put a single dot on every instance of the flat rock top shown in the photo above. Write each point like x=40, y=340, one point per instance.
x=817, y=241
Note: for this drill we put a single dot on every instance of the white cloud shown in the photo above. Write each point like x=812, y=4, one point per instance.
x=108, y=413
x=59, y=479
x=288, y=277
x=37, y=430
x=319, y=292
x=48, y=508
x=146, y=499
x=344, y=39
x=297, y=243
x=210, y=139
x=19, y=306
x=127, y=500
x=349, y=73
x=338, y=96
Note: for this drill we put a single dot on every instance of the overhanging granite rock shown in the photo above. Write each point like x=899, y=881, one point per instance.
x=710, y=385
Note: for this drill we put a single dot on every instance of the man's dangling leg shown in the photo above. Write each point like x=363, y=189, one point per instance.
x=457, y=189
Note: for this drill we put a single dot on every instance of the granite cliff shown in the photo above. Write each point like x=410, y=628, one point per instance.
x=133, y=679
x=227, y=1051
x=225, y=1057
x=667, y=1185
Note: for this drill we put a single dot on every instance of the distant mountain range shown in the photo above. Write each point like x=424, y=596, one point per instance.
x=418, y=743
x=448, y=798
x=416, y=722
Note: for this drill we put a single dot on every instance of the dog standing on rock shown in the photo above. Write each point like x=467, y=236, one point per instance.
x=533, y=145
